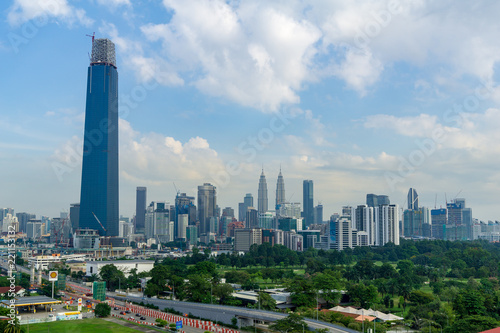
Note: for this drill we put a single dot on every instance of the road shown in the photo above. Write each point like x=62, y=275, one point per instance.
x=215, y=312
x=226, y=313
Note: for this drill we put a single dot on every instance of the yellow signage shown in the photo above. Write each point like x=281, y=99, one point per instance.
x=53, y=275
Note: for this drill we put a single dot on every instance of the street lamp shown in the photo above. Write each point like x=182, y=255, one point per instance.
x=447, y=319
x=317, y=305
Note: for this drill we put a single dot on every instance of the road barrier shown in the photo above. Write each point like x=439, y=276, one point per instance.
x=201, y=324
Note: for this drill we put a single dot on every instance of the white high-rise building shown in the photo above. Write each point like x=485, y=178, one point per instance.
x=387, y=224
x=290, y=209
x=125, y=229
x=340, y=233
x=10, y=223
x=183, y=221
x=34, y=229
x=365, y=224
x=158, y=224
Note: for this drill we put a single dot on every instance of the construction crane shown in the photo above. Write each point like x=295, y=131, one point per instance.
x=177, y=191
x=99, y=222
x=93, y=36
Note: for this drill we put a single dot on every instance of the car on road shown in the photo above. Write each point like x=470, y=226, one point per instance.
x=137, y=315
x=143, y=318
x=122, y=313
x=127, y=311
x=115, y=308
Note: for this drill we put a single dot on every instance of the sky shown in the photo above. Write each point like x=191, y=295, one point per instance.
x=359, y=96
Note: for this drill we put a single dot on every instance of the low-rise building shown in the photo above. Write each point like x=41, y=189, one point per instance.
x=125, y=266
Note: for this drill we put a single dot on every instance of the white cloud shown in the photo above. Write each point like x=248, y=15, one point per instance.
x=262, y=54
x=25, y=10
x=254, y=55
x=147, y=69
x=469, y=131
x=153, y=157
x=114, y=3
x=359, y=70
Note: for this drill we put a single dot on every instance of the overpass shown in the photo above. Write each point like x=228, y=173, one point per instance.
x=222, y=313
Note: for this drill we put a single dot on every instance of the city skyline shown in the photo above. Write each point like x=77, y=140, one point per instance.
x=359, y=97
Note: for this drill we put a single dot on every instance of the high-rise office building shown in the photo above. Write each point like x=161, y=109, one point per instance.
x=182, y=224
x=74, y=216
x=341, y=235
x=289, y=209
x=413, y=223
x=252, y=218
x=158, y=224
x=207, y=206
x=228, y=211
x=184, y=205
x=23, y=219
x=412, y=199
x=243, y=206
x=307, y=190
x=140, y=209
x=34, y=229
x=439, y=221
x=373, y=200
x=262, y=201
x=280, y=191
x=99, y=191
x=318, y=214
x=5, y=211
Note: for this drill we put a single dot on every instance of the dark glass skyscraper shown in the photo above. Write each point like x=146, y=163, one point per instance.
x=207, y=206
x=412, y=199
x=99, y=192
x=140, y=209
x=308, y=202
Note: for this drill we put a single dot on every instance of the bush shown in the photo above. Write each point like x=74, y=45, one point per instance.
x=102, y=310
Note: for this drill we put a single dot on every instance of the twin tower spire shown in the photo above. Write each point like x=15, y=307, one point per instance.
x=262, y=198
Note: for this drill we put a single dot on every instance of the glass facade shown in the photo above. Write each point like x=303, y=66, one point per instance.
x=308, y=202
x=99, y=191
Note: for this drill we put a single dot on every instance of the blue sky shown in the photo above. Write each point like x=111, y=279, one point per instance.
x=360, y=96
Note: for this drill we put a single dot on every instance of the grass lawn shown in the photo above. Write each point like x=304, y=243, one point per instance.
x=80, y=326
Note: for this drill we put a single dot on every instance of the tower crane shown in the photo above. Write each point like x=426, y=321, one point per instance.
x=99, y=222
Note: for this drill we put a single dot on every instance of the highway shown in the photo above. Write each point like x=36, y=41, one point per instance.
x=214, y=312
x=226, y=313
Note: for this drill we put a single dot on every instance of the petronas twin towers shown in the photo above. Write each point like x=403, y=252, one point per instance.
x=262, y=198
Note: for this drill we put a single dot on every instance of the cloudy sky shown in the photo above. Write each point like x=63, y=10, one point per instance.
x=360, y=96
